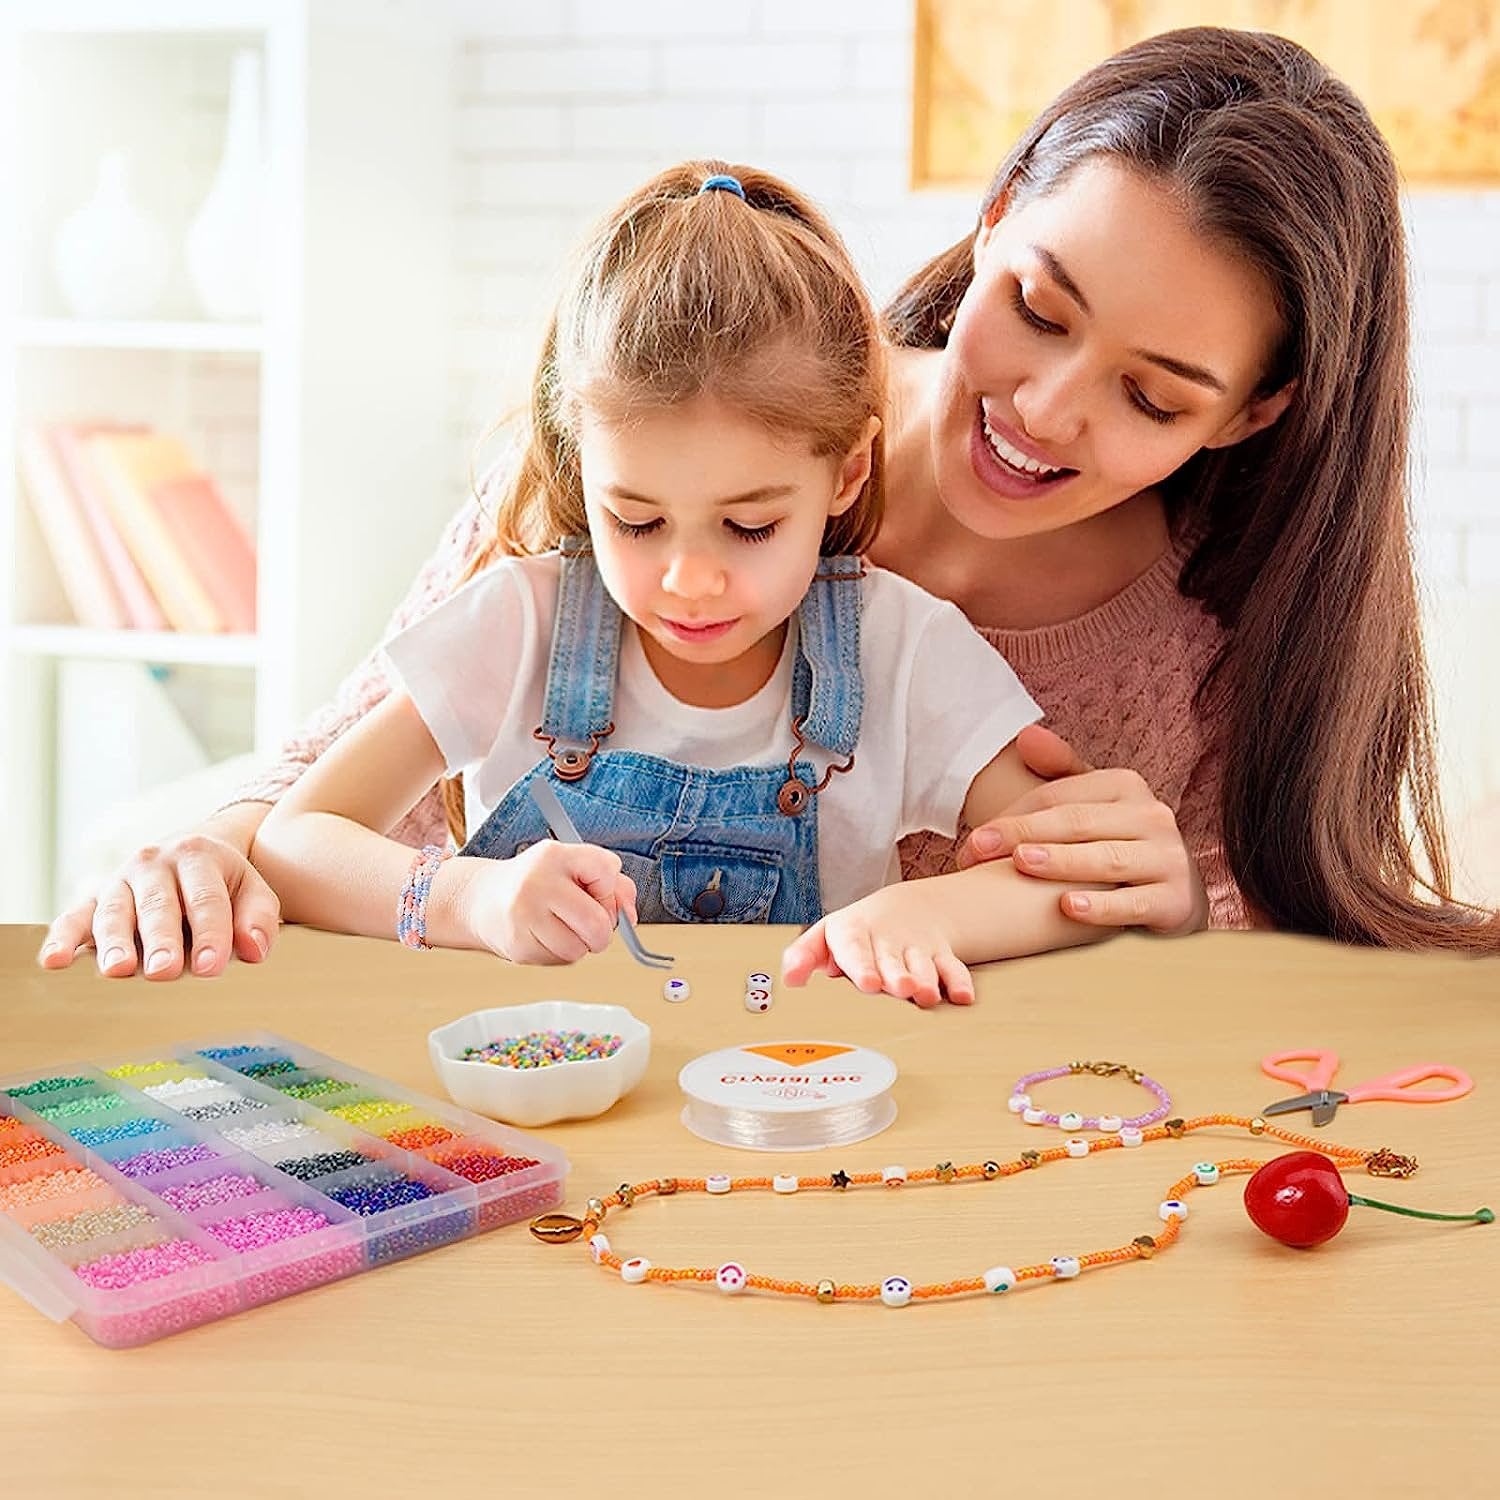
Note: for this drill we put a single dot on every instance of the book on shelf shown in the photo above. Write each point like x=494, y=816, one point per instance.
x=141, y=534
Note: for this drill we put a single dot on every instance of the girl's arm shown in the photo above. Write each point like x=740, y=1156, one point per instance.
x=914, y=940
x=320, y=850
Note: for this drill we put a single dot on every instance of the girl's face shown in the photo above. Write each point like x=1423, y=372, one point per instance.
x=1101, y=344
x=706, y=529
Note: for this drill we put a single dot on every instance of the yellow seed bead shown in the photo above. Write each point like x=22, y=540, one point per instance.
x=825, y=1290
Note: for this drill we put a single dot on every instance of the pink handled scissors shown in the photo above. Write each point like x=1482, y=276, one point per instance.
x=1324, y=1101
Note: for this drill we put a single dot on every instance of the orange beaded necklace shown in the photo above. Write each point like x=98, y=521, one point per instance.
x=896, y=1291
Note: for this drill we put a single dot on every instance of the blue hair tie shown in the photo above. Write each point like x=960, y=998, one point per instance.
x=725, y=183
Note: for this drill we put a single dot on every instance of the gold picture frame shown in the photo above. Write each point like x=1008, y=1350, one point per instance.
x=1429, y=70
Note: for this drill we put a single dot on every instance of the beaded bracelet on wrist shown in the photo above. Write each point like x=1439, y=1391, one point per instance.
x=897, y=1291
x=1020, y=1102
x=411, y=910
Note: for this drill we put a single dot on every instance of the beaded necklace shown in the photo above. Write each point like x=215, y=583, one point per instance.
x=896, y=1291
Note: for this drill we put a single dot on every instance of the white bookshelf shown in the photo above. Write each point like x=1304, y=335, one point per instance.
x=323, y=420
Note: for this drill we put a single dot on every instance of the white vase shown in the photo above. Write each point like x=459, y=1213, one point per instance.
x=110, y=258
x=224, y=243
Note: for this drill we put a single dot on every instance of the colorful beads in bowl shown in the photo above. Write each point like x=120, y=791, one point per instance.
x=541, y=1049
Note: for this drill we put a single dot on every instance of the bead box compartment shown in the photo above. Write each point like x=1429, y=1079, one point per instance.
x=134, y=1219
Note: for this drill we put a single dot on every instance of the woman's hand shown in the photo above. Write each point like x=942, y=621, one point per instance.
x=1104, y=827
x=194, y=899
x=551, y=904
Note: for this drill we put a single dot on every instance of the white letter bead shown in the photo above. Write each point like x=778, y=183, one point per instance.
x=895, y=1291
x=757, y=981
x=1076, y=1145
x=635, y=1269
x=675, y=990
x=1071, y=1121
x=1017, y=1102
x=1130, y=1136
x=1172, y=1208
x=1032, y=1115
x=893, y=1176
x=1206, y=1172
x=784, y=1182
x=1110, y=1123
x=598, y=1244
x=757, y=1000
x=730, y=1277
x=999, y=1279
x=1065, y=1267
x=717, y=1182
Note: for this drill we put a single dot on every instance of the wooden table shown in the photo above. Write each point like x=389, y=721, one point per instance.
x=501, y=1366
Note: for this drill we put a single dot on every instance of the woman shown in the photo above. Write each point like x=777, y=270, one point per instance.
x=1150, y=432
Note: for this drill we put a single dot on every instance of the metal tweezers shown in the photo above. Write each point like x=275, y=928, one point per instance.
x=564, y=831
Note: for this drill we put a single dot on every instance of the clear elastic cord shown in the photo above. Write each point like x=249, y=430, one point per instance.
x=778, y=1130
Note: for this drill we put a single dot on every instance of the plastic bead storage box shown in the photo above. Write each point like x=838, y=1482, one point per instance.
x=147, y=1196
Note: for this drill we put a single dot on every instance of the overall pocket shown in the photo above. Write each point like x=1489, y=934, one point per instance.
x=711, y=883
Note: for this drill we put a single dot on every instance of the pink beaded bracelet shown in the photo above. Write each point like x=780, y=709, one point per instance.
x=1020, y=1103
x=411, y=911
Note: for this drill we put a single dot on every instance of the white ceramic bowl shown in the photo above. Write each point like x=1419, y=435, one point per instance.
x=540, y=1096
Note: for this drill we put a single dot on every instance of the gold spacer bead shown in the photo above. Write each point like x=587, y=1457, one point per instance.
x=825, y=1290
x=1175, y=1128
x=1031, y=1158
x=596, y=1210
x=945, y=1172
x=666, y=1186
x=626, y=1194
x=1257, y=1126
x=1145, y=1246
x=991, y=1170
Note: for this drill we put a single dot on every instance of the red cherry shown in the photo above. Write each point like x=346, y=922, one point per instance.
x=1299, y=1199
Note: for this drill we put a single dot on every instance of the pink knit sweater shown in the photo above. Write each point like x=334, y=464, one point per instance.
x=1117, y=683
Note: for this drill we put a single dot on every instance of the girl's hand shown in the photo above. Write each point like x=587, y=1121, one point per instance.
x=1105, y=827
x=884, y=944
x=550, y=904
x=198, y=883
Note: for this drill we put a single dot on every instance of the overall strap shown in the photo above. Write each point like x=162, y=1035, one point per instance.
x=581, y=671
x=828, y=692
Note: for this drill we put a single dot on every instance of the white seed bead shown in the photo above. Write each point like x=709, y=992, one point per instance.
x=757, y=1000
x=999, y=1279
x=1065, y=1267
x=675, y=990
x=1071, y=1121
x=1172, y=1208
x=784, y=1182
x=1076, y=1145
x=895, y=1291
x=893, y=1176
x=757, y=981
x=717, y=1182
x=730, y=1277
x=598, y=1244
x=1111, y=1123
x=635, y=1269
x=1130, y=1136
x=1206, y=1172
x=1033, y=1116
x=1017, y=1102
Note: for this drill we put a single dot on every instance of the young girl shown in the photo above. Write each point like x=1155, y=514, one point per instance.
x=742, y=719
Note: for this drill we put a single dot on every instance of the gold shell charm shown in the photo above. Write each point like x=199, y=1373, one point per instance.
x=557, y=1229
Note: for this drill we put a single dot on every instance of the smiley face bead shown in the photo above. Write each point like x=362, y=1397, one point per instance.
x=1206, y=1172
x=634, y=1270
x=895, y=1291
x=1017, y=1102
x=676, y=990
x=757, y=1000
x=1034, y=1116
x=1076, y=1146
x=999, y=1279
x=730, y=1277
x=1065, y=1267
x=757, y=981
x=1172, y=1208
x=1110, y=1123
x=893, y=1176
x=717, y=1182
x=1130, y=1136
x=784, y=1182
x=1072, y=1120
x=598, y=1247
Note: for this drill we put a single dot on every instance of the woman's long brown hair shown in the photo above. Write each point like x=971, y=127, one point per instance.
x=1331, y=813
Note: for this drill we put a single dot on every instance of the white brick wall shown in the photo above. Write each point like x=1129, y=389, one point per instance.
x=567, y=104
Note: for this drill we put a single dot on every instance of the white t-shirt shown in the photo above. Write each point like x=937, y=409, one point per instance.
x=939, y=704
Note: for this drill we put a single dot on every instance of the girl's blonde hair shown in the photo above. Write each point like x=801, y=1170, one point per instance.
x=679, y=293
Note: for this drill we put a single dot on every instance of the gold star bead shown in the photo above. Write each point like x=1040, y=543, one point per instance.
x=945, y=1172
x=666, y=1186
x=1175, y=1128
x=839, y=1180
x=595, y=1210
x=1031, y=1158
x=626, y=1195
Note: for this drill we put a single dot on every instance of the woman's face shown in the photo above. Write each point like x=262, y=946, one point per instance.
x=1101, y=344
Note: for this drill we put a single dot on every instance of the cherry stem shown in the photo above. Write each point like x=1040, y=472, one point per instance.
x=1479, y=1216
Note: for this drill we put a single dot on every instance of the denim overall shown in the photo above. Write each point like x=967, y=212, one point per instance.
x=737, y=845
